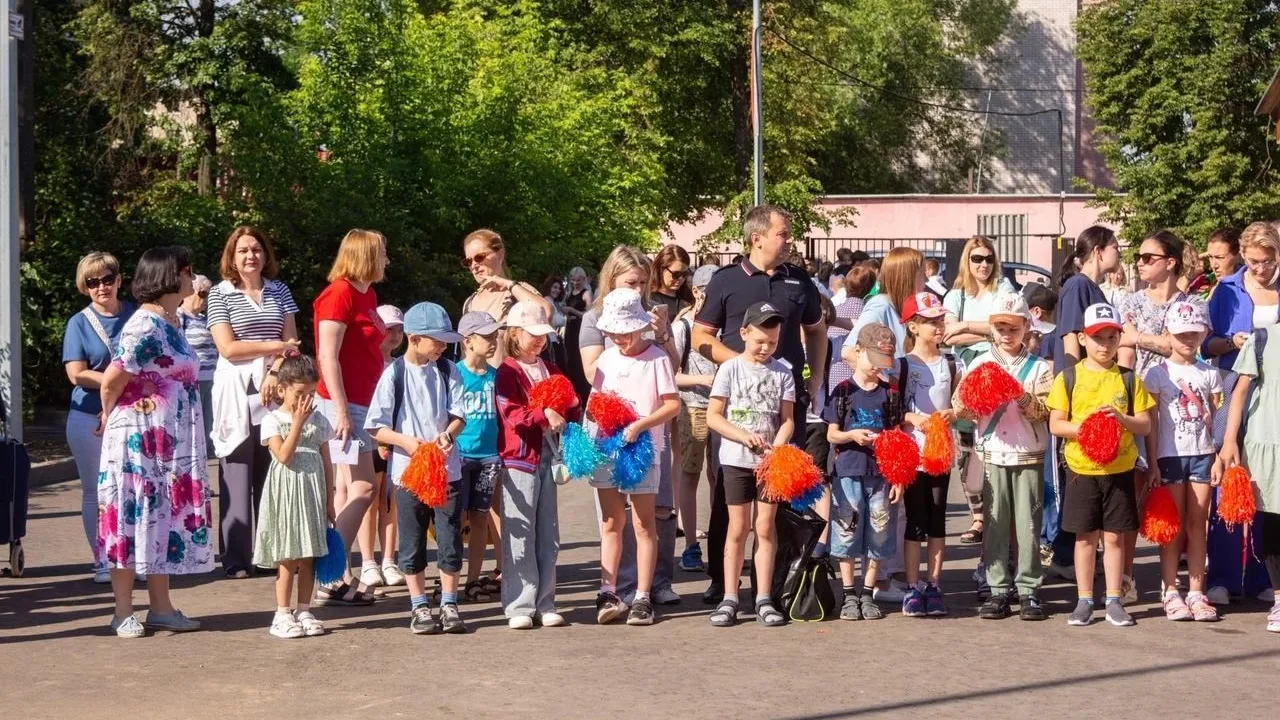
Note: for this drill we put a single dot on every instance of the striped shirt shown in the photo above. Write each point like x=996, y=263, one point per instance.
x=248, y=320
x=201, y=341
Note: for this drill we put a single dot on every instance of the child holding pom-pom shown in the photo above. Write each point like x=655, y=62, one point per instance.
x=863, y=521
x=926, y=382
x=639, y=372
x=1187, y=393
x=751, y=410
x=297, y=498
x=527, y=444
x=1013, y=439
x=1102, y=496
x=419, y=400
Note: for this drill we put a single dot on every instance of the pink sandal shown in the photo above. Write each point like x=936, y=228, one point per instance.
x=1201, y=610
x=1175, y=608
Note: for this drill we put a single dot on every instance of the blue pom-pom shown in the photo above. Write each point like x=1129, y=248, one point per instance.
x=609, y=445
x=578, y=452
x=808, y=498
x=333, y=565
x=633, y=462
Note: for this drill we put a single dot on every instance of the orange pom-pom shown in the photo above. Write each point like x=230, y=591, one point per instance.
x=610, y=412
x=426, y=477
x=898, y=457
x=987, y=387
x=553, y=393
x=787, y=473
x=1160, y=521
x=1099, y=437
x=1236, y=502
x=939, y=452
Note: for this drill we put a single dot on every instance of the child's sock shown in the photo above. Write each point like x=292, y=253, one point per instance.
x=284, y=611
x=417, y=601
x=854, y=590
x=449, y=598
x=1113, y=597
x=731, y=597
x=868, y=591
x=642, y=595
x=1087, y=598
x=763, y=598
x=608, y=588
x=304, y=608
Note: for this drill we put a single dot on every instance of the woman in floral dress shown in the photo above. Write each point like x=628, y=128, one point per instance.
x=153, y=491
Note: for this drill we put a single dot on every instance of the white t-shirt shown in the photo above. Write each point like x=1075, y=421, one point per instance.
x=967, y=308
x=753, y=397
x=642, y=379
x=926, y=388
x=1184, y=396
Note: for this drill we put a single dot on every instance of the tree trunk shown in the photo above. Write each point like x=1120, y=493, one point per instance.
x=207, y=180
x=740, y=80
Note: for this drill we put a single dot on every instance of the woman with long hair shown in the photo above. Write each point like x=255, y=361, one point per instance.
x=577, y=299
x=901, y=276
x=485, y=254
x=348, y=335
x=670, y=285
x=1160, y=265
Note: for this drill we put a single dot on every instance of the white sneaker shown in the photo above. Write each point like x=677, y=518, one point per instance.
x=1268, y=595
x=892, y=594
x=666, y=596
x=285, y=625
x=521, y=622
x=371, y=576
x=551, y=619
x=1129, y=590
x=392, y=575
x=1218, y=595
x=101, y=576
x=128, y=627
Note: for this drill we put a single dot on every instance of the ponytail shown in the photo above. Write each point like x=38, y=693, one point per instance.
x=1093, y=238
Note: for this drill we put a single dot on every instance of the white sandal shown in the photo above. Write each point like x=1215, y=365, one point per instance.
x=285, y=625
x=311, y=625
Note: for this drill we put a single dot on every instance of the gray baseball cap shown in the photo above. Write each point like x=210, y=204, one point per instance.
x=702, y=276
x=477, y=323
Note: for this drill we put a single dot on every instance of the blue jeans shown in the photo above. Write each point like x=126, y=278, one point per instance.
x=1051, y=511
x=862, y=519
x=1064, y=543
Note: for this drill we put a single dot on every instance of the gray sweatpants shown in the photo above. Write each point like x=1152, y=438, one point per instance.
x=530, y=540
x=665, y=570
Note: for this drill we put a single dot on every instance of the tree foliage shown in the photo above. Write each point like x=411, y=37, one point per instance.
x=1173, y=86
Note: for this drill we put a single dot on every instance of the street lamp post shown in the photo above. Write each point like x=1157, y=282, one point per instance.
x=757, y=118
x=11, y=31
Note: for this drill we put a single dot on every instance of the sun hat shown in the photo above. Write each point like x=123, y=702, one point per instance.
x=623, y=312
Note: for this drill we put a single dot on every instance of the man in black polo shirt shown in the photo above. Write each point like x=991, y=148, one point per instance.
x=763, y=276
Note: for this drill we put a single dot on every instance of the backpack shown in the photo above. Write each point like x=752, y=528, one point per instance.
x=895, y=408
x=397, y=383
x=1126, y=377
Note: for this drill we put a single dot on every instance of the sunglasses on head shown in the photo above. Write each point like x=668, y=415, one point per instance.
x=983, y=259
x=477, y=259
x=106, y=280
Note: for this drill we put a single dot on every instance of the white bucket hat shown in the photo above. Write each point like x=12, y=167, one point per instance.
x=623, y=312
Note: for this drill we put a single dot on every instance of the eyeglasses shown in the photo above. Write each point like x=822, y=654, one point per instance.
x=106, y=280
x=1148, y=258
x=477, y=259
x=983, y=259
x=1249, y=262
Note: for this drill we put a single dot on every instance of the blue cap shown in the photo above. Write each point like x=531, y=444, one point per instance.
x=431, y=320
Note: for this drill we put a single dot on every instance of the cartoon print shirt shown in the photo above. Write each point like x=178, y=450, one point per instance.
x=1184, y=395
x=753, y=396
x=863, y=410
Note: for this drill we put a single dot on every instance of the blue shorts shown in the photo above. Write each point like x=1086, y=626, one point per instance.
x=1196, y=469
x=862, y=519
x=357, y=413
x=481, y=476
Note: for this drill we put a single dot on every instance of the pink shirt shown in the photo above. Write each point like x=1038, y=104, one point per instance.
x=642, y=379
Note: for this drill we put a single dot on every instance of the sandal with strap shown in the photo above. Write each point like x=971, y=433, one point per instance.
x=768, y=615
x=491, y=583
x=474, y=592
x=972, y=536
x=725, y=614
x=343, y=595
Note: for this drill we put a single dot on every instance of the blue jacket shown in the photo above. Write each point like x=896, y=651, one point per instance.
x=1230, y=312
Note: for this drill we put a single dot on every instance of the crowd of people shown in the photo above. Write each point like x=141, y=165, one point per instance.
x=720, y=365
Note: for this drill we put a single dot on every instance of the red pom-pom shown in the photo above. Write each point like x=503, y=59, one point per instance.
x=898, y=457
x=426, y=477
x=1236, y=502
x=987, y=387
x=554, y=393
x=1160, y=521
x=939, y=452
x=610, y=412
x=1099, y=437
x=786, y=473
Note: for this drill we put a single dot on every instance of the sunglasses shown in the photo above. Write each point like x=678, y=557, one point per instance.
x=676, y=274
x=1148, y=258
x=477, y=259
x=983, y=259
x=106, y=281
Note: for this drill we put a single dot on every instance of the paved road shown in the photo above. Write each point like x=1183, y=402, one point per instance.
x=58, y=659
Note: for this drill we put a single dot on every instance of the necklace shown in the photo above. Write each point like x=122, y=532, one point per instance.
x=169, y=317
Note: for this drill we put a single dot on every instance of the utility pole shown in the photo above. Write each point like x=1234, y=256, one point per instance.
x=12, y=30
x=757, y=118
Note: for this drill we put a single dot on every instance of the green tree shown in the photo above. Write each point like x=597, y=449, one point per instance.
x=1173, y=86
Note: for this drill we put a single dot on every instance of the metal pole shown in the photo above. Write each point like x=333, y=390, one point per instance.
x=757, y=99
x=10, y=247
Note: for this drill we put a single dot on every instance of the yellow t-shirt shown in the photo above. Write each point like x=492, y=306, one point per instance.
x=1093, y=390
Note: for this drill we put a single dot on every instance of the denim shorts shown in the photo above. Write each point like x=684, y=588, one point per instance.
x=862, y=519
x=414, y=518
x=481, y=476
x=358, y=414
x=1196, y=469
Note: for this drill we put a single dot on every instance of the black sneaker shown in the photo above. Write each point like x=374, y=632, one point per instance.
x=422, y=623
x=641, y=613
x=609, y=607
x=1029, y=608
x=451, y=620
x=713, y=594
x=995, y=608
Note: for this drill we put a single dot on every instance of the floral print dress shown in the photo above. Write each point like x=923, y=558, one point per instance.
x=153, y=488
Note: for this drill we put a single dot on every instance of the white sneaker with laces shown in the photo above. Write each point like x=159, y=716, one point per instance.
x=1218, y=595
x=392, y=575
x=128, y=627
x=552, y=619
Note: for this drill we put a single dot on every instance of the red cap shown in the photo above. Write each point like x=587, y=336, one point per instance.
x=924, y=304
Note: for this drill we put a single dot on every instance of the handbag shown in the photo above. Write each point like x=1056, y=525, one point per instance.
x=807, y=595
x=559, y=471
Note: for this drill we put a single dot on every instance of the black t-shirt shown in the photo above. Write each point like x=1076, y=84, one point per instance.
x=866, y=411
x=675, y=304
x=735, y=288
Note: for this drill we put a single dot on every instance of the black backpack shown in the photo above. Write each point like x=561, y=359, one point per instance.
x=895, y=407
x=1126, y=376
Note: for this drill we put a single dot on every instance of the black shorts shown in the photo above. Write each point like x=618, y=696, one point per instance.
x=815, y=443
x=926, y=505
x=379, y=465
x=1100, y=502
x=740, y=486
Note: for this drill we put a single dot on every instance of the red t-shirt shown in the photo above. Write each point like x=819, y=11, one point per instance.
x=360, y=356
